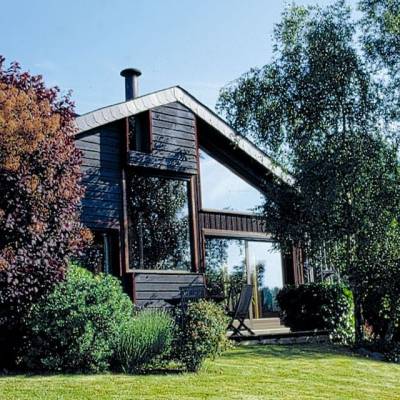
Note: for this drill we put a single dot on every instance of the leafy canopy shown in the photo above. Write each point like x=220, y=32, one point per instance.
x=320, y=107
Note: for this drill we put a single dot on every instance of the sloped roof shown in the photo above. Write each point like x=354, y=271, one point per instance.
x=125, y=109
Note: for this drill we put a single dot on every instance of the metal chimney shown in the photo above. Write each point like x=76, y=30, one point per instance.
x=131, y=76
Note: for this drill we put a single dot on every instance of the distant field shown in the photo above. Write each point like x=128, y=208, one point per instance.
x=258, y=372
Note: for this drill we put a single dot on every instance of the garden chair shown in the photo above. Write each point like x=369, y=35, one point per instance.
x=241, y=311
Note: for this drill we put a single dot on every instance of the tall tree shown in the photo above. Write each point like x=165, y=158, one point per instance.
x=317, y=107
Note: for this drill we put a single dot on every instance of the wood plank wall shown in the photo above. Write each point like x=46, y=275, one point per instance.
x=101, y=168
x=173, y=130
x=230, y=221
x=151, y=289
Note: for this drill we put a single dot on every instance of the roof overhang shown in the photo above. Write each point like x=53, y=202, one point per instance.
x=119, y=111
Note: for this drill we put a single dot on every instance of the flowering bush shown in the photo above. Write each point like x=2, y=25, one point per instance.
x=143, y=339
x=201, y=333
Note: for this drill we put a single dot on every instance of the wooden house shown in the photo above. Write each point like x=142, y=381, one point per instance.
x=143, y=178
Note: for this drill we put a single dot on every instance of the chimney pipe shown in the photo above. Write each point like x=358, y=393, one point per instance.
x=131, y=76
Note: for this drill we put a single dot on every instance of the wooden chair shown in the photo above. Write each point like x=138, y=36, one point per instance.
x=241, y=311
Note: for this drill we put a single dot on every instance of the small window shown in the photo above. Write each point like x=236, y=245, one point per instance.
x=140, y=132
x=105, y=249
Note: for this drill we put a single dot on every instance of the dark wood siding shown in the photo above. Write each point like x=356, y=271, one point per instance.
x=231, y=221
x=101, y=167
x=173, y=132
x=151, y=289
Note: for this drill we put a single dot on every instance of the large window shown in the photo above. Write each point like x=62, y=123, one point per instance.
x=222, y=189
x=231, y=262
x=159, y=231
x=265, y=266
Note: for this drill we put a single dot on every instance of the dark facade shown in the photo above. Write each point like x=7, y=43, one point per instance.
x=160, y=135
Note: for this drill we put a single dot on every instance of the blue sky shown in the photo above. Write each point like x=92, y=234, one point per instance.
x=83, y=45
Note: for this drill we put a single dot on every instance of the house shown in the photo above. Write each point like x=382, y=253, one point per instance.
x=149, y=164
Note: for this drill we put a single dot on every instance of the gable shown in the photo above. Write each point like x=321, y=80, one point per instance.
x=257, y=159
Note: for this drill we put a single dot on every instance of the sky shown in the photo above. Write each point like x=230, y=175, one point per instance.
x=83, y=45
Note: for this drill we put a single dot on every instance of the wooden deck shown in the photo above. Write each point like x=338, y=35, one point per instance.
x=271, y=331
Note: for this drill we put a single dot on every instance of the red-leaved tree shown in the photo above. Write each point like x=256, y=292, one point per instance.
x=40, y=189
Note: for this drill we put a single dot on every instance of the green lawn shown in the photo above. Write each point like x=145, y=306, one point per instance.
x=259, y=372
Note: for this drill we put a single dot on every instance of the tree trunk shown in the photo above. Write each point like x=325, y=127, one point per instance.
x=358, y=319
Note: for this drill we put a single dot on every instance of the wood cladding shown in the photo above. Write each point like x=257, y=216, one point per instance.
x=231, y=221
x=101, y=168
x=152, y=289
x=173, y=139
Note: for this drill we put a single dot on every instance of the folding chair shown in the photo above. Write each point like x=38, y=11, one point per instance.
x=241, y=311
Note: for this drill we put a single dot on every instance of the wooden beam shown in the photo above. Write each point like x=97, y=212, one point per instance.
x=124, y=232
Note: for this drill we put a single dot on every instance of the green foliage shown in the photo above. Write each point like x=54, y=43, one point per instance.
x=321, y=108
x=201, y=334
x=320, y=306
x=142, y=340
x=381, y=23
x=73, y=328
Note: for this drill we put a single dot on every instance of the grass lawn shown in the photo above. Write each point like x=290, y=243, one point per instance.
x=259, y=372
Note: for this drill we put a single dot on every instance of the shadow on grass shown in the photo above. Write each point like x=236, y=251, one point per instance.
x=292, y=352
x=240, y=354
x=168, y=369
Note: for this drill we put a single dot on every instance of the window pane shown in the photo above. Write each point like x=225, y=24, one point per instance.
x=225, y=268
x=159, y=224
x=266, y=268
x=102, y=254
x=230, y=263
x=224, y=190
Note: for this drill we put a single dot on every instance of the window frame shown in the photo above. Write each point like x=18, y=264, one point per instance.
x=192, y=218
x=113, y=236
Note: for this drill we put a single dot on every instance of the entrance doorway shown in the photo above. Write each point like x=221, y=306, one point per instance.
x=232, y=262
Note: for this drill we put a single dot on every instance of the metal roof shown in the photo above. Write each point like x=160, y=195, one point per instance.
x=146, y=102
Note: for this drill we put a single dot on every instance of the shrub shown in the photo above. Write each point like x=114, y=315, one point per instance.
x=142, y=340
x=200, y=334
x=73, y=328
x=322, y=306
x=40, y=194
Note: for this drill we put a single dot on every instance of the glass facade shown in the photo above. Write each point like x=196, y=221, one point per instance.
x=265, y=267
x=159, y=230
x=231, y=262
x=222, y=189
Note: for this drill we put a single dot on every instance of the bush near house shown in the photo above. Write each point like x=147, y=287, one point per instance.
x=87, y=324
x=201, y=333
x=74, y=328
x=323, y=306
x=143, y=340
